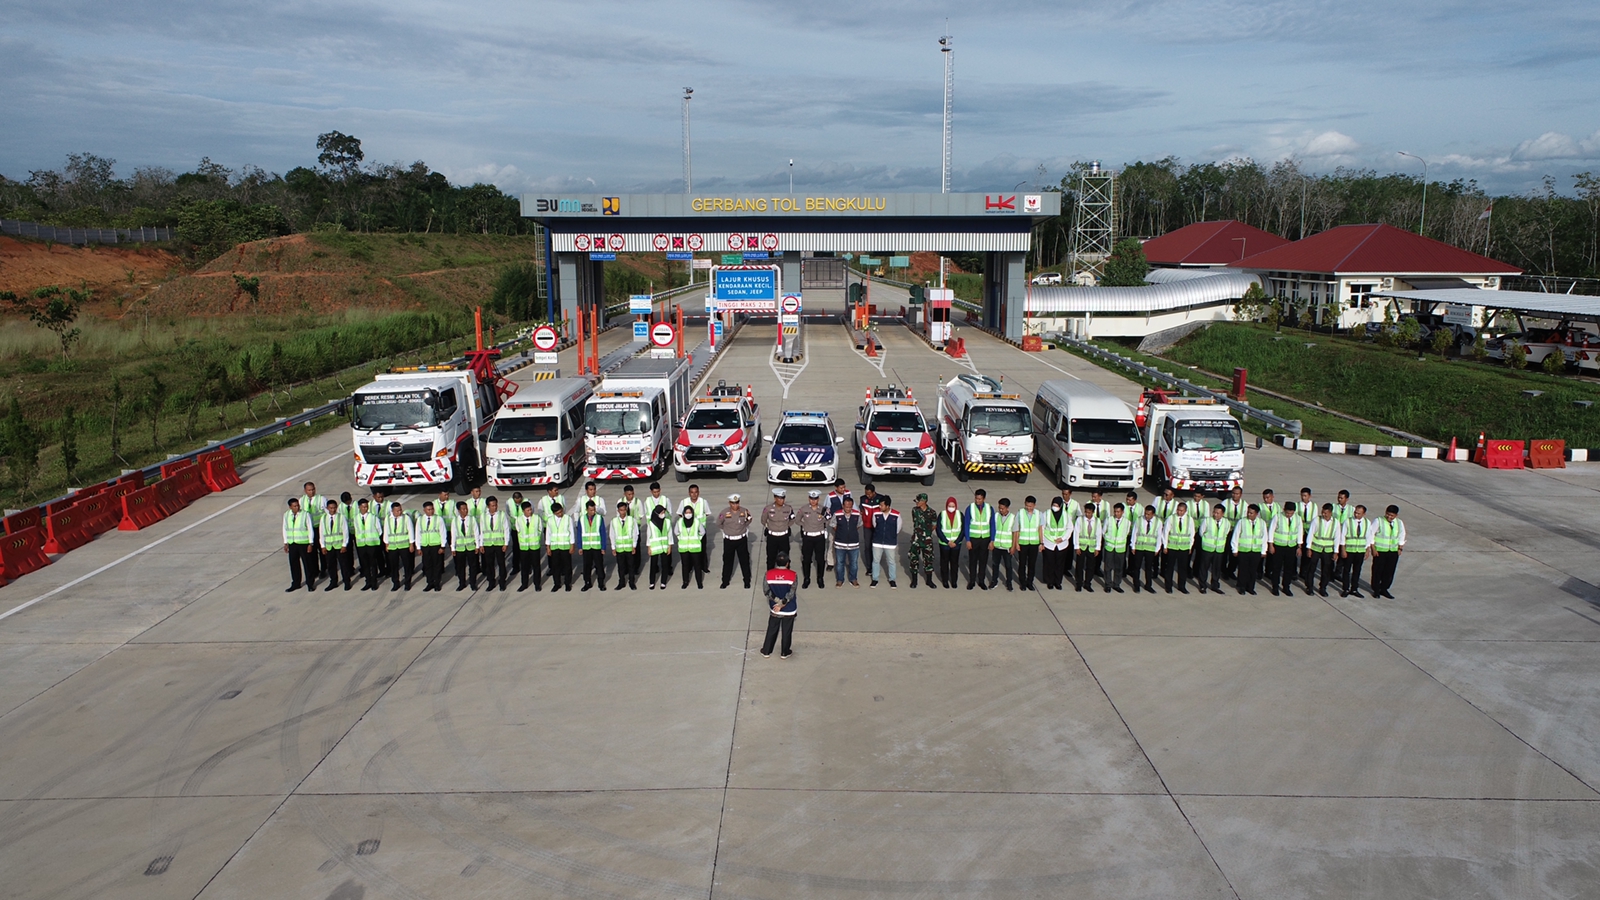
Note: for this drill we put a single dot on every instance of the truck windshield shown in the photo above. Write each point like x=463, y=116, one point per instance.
x=523, y=429
x=999, y=421
x=897, y=421
x=612, y=417
x=713, y=418
x=1212, y=436
x=1101, y=431
x=409, y=409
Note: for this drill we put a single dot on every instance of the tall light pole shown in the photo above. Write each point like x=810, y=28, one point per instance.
x=947, y=50
x=791, y=176
x=688, y=170
x=1422, y=227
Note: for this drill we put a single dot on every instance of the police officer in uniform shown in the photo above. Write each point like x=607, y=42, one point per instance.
x=775, y=520
x=813, y=522
x=734, y=523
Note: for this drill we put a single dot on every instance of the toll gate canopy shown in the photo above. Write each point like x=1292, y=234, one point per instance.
x=585, y=230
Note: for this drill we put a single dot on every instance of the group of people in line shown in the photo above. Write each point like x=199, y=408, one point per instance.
x=1170, y=540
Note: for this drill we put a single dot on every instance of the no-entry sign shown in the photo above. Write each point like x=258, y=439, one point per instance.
x=662, y=334
x=545, y=338
x=791, y=304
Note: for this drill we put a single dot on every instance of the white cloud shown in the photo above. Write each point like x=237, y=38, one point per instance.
x=1555, y=145
x=1331, y=145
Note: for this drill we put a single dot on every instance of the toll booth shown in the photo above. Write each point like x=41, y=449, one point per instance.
x=937, y=327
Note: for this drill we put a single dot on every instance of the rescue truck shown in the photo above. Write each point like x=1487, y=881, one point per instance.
x=422, y=425
x=983, y=429
x=537, y=438
x=722, y=433
x=630, y=421
x=1191, y=443
x=893, y=437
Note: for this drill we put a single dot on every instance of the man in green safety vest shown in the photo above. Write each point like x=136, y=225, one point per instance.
x=1388, y=542
x=467, y=546
x=1030, y=532
x=1249, y=544
x=1215, y=532
x=530, y=540
x=297, y=543
x=494, y=533
x=1147, y=547
x=334, y=533
x=1114, y=541
x=977, y=532
x=368, y=526
x=1005, y=544
x=594, y=542
x=1088, y=537
x=313, y=503
x=1233, y=510
x=1322, y=543
x=625, y=545
x=400, y=545
x=431, y=534
x=1177, y=538
x=559, y=536
x=1283, y=551
x=1354, y=552
x=1307, y=513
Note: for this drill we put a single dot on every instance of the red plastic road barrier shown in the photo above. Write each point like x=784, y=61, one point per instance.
x=65, y=531
x=1547, y=455
x=141, y=509
x=956, y=348
x=1502, y=454
x=100, y=514
x=23, y=552
x=1032, y=343
x=56, y=506
x=168, y=497
x=219, y=471
x=119, y=490
x=21, y=520
x=191, y=486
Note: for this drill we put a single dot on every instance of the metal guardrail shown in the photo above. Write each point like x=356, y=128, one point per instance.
x=1245, y=410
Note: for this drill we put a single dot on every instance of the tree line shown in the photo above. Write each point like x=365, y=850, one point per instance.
x=214, y=207
x=1551, y=230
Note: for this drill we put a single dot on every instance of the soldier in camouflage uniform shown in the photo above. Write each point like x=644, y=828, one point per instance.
x=924, y=540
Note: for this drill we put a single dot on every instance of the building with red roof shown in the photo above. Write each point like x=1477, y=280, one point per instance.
x=1209, y=244
x=1336, y=271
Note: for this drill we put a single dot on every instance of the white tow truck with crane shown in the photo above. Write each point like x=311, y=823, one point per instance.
x=1191, y=443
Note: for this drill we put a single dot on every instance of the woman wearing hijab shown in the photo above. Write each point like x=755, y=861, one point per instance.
x=1057, y=531
x=691, y=546
x=950, y=527
x=658, y=538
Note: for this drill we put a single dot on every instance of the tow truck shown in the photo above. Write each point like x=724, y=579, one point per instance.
x=893, y=437
x=722, y=433
x=1191, y=443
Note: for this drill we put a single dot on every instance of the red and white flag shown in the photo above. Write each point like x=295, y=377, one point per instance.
x=1486, y=213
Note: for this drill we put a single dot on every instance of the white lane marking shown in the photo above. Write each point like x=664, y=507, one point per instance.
x=788, y=373
x=879, y=362
x=344, y=454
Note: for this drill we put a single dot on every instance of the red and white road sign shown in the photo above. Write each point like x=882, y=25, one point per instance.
x=662, y=334
x=545, y=338
x=769, y=242
x=791, y=304
x=581, y=242
x=696, y=242
x=735, y=241
x=660, y=242
x=618, y=242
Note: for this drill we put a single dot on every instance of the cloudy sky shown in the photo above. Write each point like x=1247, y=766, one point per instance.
x=559, y=95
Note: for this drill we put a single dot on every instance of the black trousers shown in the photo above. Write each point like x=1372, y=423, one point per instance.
x=1144, y=563
x=1210, y=571
x=1352, y=564
x=433, y=566
x=627, y=569
x=335, y=561
x=560, y=568
x=1322, y=563
x=301, y=571
x=1053, y=566
x=813, y=548
x=493, y=565
x=401, y=560
x=949, y=564
x=1176, y=563
x=1027, y=562
x=1308, y=568
x=776, y=543
x=594, y=567
x=1083, y=570
x=779, y=625
x=660, y=567
x=466, y=565
x=1383, y=566
x=978, y=562
x=694, y=563
x=735, y=549
x=528, y=565
x=1248, y=565
x=371, y=559
x=998, y=559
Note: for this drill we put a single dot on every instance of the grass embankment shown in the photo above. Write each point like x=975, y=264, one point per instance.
x=1316, y=425
x=188, y=381
x=1432, y=398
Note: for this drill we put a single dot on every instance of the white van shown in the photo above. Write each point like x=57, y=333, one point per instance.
x=1085, y=437
x=537, y=437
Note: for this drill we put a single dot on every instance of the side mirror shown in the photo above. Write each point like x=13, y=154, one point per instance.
x=861, y=426
x=767, y=437
x=838, y=440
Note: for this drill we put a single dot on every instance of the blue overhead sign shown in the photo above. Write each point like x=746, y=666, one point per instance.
x=755, y=254
x=641, y=331
x=603, y=257
x=679, y=255
x=746, y=284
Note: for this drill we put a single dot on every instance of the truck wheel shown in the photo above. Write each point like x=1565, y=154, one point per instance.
x=1061, y=480
x=960, y=466
x=744, y=473
x=1022, y=478
x=681, y=476
x=927, y=480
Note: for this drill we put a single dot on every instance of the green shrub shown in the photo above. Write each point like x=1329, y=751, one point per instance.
x=1517, y=356
x=1480, y=351
x=1442, y=341
x=1555, y=363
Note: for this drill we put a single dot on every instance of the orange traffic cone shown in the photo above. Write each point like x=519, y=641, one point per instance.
x=1452, y=456
x=1480, y=452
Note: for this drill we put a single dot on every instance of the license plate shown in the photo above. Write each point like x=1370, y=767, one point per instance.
x=899, y=471
x=706, y=468
x=801, y=476
x=1108, y=484
x=528, y=480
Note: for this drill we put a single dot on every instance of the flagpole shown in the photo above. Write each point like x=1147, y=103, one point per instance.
x=1488, y=229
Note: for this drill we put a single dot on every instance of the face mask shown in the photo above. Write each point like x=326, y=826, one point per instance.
x=949, y=509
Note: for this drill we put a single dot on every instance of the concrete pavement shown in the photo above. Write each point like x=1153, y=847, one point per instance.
x=178, y=726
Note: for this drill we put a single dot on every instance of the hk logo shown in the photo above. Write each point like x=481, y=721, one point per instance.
x=1002, y=202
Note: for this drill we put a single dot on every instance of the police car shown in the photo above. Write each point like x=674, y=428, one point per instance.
x=803, y=449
